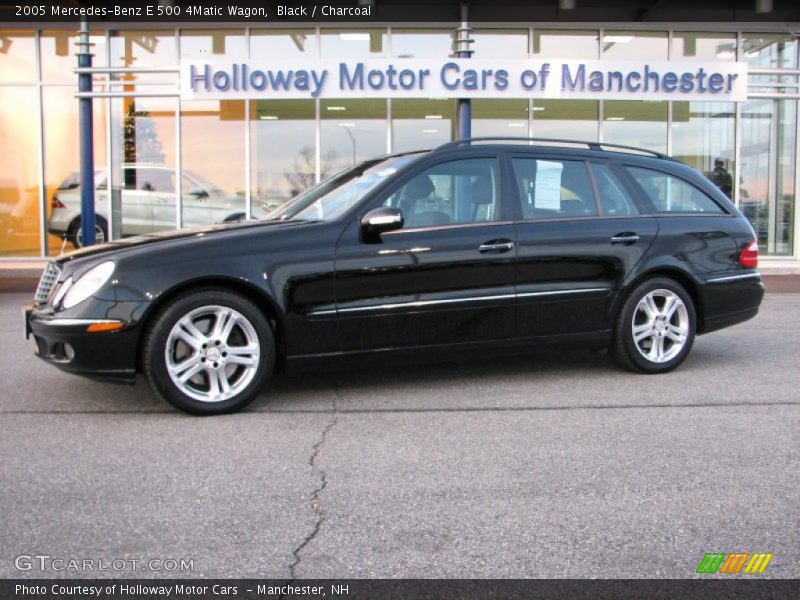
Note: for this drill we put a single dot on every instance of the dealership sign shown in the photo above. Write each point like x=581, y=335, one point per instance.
x=464, y=78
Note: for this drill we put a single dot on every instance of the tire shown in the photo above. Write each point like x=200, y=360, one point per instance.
x=200, y=369
x=663, y=317
x=100, y=231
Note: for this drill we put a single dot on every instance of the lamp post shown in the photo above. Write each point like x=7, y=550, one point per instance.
x=346, y=127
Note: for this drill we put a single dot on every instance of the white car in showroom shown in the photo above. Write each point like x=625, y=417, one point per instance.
x=147, y=200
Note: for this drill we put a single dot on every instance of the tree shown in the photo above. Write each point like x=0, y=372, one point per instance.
x=303, y=174
x=140, y=141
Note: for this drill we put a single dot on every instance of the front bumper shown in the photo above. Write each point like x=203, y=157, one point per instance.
x=66, y=344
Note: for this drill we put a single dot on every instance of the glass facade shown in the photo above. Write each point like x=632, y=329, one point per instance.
x=20, y=208
x=161, y=162
x=282, y=151
x=422, y=123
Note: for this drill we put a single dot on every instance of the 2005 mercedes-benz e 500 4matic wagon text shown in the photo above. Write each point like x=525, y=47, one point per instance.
x=479, y=242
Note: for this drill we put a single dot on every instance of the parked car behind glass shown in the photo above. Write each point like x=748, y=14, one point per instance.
x=147, y=201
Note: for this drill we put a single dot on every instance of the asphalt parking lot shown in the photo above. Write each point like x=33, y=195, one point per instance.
x=554, y=464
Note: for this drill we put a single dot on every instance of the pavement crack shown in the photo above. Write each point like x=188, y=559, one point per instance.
x=314, y=501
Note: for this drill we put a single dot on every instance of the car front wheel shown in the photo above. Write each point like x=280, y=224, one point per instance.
x=209, y=352
x=655, y=327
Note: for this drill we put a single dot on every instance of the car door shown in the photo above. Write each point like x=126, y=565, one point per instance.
x=136, y=201
x=204, y=203
x=160, y=181
x=445, y=277
x=195, y=203
x=579, y=233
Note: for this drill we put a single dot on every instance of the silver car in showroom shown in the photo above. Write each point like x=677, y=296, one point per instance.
x=147, y=203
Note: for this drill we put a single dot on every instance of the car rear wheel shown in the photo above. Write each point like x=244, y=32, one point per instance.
x=655, y=327
x=209, y=352
x=75, y=233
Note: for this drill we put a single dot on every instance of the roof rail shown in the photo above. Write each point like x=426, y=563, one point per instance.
x=598, y=146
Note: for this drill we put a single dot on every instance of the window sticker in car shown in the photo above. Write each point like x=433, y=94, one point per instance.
x=547, y=189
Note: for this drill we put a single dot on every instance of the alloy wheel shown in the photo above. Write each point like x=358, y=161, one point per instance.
x=660, y=325
x=99, y=235
x=212, y=353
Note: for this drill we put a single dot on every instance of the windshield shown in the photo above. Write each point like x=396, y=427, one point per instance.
x=211, y=188
x=335, y=196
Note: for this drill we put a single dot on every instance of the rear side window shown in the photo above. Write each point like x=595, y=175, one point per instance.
x=149, y=180
x=614, y=199
x=553, y=188
x=670, y=194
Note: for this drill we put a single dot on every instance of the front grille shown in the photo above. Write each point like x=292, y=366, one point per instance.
x=47, y=284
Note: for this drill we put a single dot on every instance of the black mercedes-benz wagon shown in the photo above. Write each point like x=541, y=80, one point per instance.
x=480, y=242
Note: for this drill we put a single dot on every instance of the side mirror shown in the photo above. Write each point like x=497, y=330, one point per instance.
x=198, y=193
x=380, y=220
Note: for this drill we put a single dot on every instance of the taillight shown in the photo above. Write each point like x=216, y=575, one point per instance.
x=56, y=203
x=749, y=256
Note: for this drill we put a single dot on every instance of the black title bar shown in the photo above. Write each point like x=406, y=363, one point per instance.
x=734, y=588
x=259, y=12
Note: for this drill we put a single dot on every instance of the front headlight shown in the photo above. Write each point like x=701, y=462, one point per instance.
x=61, y=291
x=88, y=284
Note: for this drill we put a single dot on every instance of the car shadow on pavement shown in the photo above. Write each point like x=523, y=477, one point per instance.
x=317, y=386
x=388, y=382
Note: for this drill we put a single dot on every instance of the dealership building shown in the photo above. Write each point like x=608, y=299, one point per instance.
x=188, y=112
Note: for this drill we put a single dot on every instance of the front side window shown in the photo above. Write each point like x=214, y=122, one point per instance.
x=553, y=188
x=152, y=180
x=670, y=194
x=459, y=191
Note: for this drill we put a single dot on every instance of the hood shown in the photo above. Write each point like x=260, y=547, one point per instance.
x=165, y=237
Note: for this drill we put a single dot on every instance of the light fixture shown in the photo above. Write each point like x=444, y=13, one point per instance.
x=268, y=117
x=726, y=54
x=354, y=37
x=335, y=108
x=566, y=4
x=433, y=116
x=430, y=131
x=763, y=6
x=347, y=124
x=538, y=108
x=615, y=118
x=517, y=124
x=617, y=39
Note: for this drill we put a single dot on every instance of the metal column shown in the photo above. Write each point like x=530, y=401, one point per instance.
x=463, y=105
x=87, y=137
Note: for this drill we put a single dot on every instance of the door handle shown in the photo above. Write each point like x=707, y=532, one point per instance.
x=496, y=246
x=625, y=238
